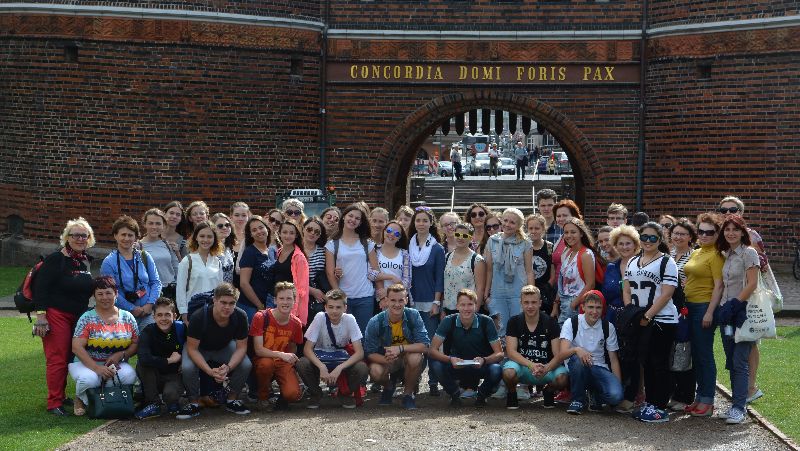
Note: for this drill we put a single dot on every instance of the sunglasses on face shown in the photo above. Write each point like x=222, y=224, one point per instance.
x=274, y=221
x=667, y=225
x=422, y=208
x=79, y=236
x=391, y=231
x=463, y=236
x=649, y=238
x=313, y=231
x=476, y=214
x=702, y=232
x=493, y=226
x=226, y=225
x=727, y=210
x=293, y=212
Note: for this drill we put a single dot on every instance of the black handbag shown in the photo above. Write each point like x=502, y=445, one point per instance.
x=111, y=402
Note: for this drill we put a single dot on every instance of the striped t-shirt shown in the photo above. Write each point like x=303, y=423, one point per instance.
x=646, y=282
x=105, y=339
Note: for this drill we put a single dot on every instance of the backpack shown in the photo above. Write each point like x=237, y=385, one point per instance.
x=472, y=262
x=678, y=296
x=599, y=270
x=629, y=332
x=604, y=324
x=336, y=250
x=23, y=298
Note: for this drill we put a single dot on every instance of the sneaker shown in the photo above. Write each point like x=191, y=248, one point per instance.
x=500, y=393
x=706, y=412
x=188, y=411
x=595, y=407
x=173, y=408
x=625, y=407
x=652, y=414
x=386, y=396
x=236, y=407
x=575, y=408
x=376, y=388
x=58, y=411
x=149, y=411
x=755, y=396
x=252, y=398
x=548, y=399
x=523, y=393
x=434, y=390
x=563, y=397
x=512, y=401
x=281, y=405
x=455, y=400
x=480, y=400
x=736, y=416
x=468, y=393
x=313, y=403
x=409, y=403
x=348, y=402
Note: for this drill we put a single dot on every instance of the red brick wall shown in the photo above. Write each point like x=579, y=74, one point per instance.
x=674, y=12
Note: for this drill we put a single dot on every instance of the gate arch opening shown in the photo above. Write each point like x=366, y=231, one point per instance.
x=402, y=144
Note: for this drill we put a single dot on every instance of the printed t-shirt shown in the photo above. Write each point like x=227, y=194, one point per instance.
x=277, y=336
x=534, y=346
x=398, y=338
x=103, y=339
x=645, y=283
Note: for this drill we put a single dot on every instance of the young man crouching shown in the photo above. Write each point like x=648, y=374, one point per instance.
x=532, y=346
x=396, y=340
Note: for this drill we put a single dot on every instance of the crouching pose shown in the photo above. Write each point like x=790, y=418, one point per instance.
x=395, y=343
x=472, y=350
x=589, y=344
x=532, y=346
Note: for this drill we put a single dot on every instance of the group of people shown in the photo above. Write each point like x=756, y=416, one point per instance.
x=493, y=304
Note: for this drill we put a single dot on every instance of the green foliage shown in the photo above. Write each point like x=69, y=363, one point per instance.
x=777, y=377
x=10, y=278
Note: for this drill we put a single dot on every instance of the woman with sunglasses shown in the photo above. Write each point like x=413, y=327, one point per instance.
x=197, y=212
x=294, y=209
x=463, y=268
x=541, y=259
x=292, y=266
x=491, y=226
x=403, y=216
x=666, y=222
x=703, y=291
x=159, y=250
x=378, y=218
x=177, y=228
x=256, y=276
x=650, y=281
x=447, y=225
x=274, y=220
x=739, y=280
x=330, y=218
x=476, y=216
x=427, y=272
x=314, y=239
x=351, y=264
x=393, y=261
x=62, y=289
x=223, y=228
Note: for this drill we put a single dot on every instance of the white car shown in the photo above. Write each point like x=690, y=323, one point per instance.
x=445, y=168
x=508, y=166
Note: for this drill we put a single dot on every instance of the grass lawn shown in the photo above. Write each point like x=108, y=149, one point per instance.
x=23, y=394
x=10, y=278
x=777, y=377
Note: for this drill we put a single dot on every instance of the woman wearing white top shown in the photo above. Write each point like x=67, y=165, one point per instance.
x=351, y=265
x=650, y=280
x=206, y=267
x=393, y=260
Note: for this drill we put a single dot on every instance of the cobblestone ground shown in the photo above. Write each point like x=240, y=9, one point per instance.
x=433, y=426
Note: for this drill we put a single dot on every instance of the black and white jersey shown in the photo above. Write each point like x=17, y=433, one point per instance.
x=646, y=282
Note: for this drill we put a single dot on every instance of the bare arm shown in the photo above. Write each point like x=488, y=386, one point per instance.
x=487, y=257
x=588, y=278
x=752, y=283
x=244, y=284
x=528, y=259
x=480, y=281
x=330, y=270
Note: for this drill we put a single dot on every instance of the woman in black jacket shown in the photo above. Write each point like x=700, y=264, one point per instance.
x=62, y=289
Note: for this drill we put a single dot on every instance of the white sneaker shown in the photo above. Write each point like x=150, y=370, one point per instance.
x=736, y=416
x=523, y=393
x=500, y=393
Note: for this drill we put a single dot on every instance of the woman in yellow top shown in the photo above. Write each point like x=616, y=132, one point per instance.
x=703, y=290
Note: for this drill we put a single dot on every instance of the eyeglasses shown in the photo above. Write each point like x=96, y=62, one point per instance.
x=649, y=238
x=313, y=231
x=667, y=225
x=493, y=227
x=724, y=210
x=293, y=212
x=463, y=236
x=702, y=232
x=79, y=236
x=680, y=234
x=476, y=214
x=273, y=220
x=423, y=208
x=394, y=232
x=449, y=225
x=226, y=225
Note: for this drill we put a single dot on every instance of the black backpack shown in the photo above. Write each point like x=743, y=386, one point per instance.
x=629, y=332
x=604, y=324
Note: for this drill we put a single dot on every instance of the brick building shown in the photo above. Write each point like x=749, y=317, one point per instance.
x=112, y=107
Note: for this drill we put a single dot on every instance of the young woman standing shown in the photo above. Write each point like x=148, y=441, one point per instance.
x=292, y=266
x=177, y=228
x=159, y=250
x=403, y=216
x=240, y=214
x=222, y=227
x=541, y=259
x=314, y=239
x=330, y=218
x=256, y=276
x=564, y=210
x=625, y=241
x=476, y=216
x=447, y=225
x=463, y=268
x=378, y=218
x=572, y=282
x=201, y=270
x=393, y=261
x=197, y=212
x=274, y=219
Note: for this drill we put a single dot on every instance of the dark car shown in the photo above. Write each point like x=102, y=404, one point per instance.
x=541, y=167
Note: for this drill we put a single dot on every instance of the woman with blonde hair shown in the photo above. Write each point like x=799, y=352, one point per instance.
x=541, y=259
x=196, y=213
x=378, y=218
x=294, y=209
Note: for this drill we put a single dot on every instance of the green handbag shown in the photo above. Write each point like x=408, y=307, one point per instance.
x=115, y=401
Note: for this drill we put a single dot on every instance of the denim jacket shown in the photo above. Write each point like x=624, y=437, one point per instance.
x=379, y=333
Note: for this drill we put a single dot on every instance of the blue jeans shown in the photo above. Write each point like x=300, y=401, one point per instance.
x=250, y=310
x=737, y=362
x=566, y=312
x=504, y=307
x=361, y=308
x=431, y=324
x=702, y=339
x=605, y=386
x=448, y=376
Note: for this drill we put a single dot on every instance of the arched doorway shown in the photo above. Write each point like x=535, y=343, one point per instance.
x=404, y=141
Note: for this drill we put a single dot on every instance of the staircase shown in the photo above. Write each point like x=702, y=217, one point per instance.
x=496, y=194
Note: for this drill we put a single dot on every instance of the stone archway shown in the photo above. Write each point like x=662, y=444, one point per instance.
x=401, y=144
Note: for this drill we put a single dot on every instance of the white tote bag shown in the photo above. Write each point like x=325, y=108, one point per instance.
x=760, y=322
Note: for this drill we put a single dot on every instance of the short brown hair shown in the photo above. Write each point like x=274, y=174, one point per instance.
x=336, y=295
x=165, y=302
x=125, y=222
x=226, y=289
x=282, y=286
x=531, y=290
x=617, y=208
x=153, y=212
x=396, y=288
x=468, y=293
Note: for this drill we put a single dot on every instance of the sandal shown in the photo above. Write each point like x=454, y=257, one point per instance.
x=79, y=409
